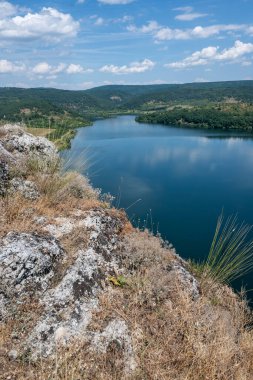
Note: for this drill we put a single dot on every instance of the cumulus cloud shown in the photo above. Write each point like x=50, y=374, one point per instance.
x=77, y=69
x=150, y=27
x=197, y=32
x=188, y=14
x=134, y=67
x=7, y=9
x=211, y=54
x=43, y=68
x=115, y=2
x=49, y=24
x=10, y=67
x=161, y=33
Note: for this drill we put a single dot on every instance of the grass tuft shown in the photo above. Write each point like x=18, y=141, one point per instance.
x=231, y=252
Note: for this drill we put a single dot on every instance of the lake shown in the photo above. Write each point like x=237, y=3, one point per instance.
x=172, y=180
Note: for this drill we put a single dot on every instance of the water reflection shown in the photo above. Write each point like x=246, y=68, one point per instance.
x=184, y=176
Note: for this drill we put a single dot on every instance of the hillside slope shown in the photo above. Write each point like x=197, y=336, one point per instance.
x=84, y=295
x=46, y=100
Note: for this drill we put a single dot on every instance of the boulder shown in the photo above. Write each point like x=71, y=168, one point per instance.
x=69, y=305
x=27, y=265
x=28, y=189
x=21, y=143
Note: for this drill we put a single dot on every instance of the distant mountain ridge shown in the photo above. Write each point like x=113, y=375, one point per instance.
x=13, y=101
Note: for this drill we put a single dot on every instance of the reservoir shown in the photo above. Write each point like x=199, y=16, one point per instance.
x=174, y=181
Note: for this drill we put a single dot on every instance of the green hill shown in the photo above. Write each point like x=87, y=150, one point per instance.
x=64, y=110
x=13, y=101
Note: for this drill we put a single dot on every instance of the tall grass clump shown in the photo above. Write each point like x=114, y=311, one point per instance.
x=231, y=252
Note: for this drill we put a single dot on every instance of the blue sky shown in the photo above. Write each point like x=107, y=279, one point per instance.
x=78, y=44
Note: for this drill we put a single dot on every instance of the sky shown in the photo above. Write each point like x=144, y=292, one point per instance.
x=79, y=44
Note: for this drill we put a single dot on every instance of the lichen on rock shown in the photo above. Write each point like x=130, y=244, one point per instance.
x=27, y=264
x=60, y=246
x=69, y=305
x=21, y=143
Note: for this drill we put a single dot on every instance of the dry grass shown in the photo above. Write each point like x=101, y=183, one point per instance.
x=60, y=194
x=39, y=132
x=174, y=337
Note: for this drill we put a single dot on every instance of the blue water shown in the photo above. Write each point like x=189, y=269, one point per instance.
x=170, y=179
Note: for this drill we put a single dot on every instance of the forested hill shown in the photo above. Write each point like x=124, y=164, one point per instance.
x=59, y=112
x=132, y=97
x=15, y=102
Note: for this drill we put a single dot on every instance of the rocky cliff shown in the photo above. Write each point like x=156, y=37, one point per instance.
x=83, y=295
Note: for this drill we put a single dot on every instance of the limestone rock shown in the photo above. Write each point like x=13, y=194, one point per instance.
x=69, y=305
x=27, y=264
x=9, y=129
x=116, y=332
x=4, y=178
x=27, y=188
x=20, y=143
x=6, y=156
x=188, y=282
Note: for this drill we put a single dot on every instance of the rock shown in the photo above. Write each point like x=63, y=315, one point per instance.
x=9, y=129
x=4, y=178
x=28, y=189
x=118, y=333
x=23, y=143
x=6, y=156
x=188, y=282
x=63, y=226
x=69, y=305
x=13, y=354
x=27, y=264
x=40, y=220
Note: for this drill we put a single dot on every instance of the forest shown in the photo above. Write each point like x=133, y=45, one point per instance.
x=216, y=116
x=209, y=105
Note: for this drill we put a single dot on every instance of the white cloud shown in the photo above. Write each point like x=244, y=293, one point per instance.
x=150, y=27
x=165, y=34
x=80, y=1
x=100, y=21
x=58, y=69
x=197, y=32
x=115, y=2
x=211, y=54
x=10, y=67
x=161, y=33
x=74, y=69
x=48, y=24
x=188, y=14
x=77, y=69
x=134, y=67
x=43, y=68
x=238, y=50
x=7, y=9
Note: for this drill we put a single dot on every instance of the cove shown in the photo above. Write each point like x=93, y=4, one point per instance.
x=172, y=180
